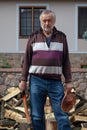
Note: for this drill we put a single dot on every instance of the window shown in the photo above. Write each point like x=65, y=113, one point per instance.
x=29, y=20
x=82, y=21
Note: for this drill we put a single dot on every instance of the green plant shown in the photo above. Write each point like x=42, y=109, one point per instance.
x=5, y=64
x=84, y=66
x=85, y=35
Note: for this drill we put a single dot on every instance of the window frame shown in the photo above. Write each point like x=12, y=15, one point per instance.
x=32, y=24
x=79, y=7
x=76, y=28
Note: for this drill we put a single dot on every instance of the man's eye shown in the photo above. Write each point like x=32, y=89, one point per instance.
x=44, y=21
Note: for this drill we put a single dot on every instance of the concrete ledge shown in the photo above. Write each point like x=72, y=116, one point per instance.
x=18, y=70
x=12, y=70
x=74, y=70
x=14, y=59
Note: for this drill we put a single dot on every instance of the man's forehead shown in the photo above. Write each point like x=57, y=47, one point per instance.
x=47, y=16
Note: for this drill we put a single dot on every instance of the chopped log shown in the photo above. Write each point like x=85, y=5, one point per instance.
x=50, y=121
x=82, y=114
x=78, y=118
x=18, y=103
x=84, y=111
x=48, y=109
x=15, y=116
x=7, y=106
x=6, y=128
x=12, y=115
x=49, y=116
x=7, y=122
x=83, y=126
x=11, y=89
x=47, y=101
x=15, y=100
x=21, y=120
x=51, y=125
x=11, y=94
x=20, y=109
x=80, y=109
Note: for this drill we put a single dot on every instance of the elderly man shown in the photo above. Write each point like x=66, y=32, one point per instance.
x=45, y=60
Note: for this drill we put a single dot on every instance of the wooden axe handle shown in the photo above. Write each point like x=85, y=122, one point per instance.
x=26, y=107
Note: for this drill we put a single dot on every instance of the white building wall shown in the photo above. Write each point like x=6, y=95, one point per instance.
x=9, y=24
x=65, y=12
x=7, y=27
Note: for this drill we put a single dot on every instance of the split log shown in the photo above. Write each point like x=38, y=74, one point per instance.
x=50, y=122
x=18, y=103
x=80, y=109
x=83, y=107
x=6, y=128
x=83, y=126
x=49, y=116
x=51, y=125
x=20, y=109
x=47, y=101
x=7, y=106
x=15, y=116
x=48, y=109
x=7, y=122
x=12, y=115
x=82, y=114
x=21, y=120
x=11, y=94
x=78, y=118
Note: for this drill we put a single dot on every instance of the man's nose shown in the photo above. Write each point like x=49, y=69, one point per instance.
x=47, y=22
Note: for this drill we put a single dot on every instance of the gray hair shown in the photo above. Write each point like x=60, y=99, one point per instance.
x=48, y=12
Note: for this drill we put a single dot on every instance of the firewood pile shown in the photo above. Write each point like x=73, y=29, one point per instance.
x=78, y=114
x=12, y=112
x=13, y=117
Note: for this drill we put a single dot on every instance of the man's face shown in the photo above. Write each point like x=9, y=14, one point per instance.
x=47, y=23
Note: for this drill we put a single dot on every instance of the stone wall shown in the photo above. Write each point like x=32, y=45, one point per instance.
x=14, y=60
x=10, y=78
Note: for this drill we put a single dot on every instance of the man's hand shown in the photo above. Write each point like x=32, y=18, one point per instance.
x=22, y=85
x=68, y=87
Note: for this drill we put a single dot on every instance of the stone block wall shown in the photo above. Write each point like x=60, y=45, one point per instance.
x=10, y=78
x=14, y=60
x=78, y=59
x=10, y=71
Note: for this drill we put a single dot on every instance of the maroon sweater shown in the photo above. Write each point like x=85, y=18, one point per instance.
x=48, y=62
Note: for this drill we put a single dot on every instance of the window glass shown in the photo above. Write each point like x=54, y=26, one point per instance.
x=82, y=21
x=29, y=20
x=37, y=12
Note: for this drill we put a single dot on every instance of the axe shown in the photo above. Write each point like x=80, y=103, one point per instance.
x=26, y=107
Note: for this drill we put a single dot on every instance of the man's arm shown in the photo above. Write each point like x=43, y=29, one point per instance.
x=26, y=64
x=66, y=66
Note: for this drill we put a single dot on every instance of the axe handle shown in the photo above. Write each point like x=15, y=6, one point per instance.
x=26, y=107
